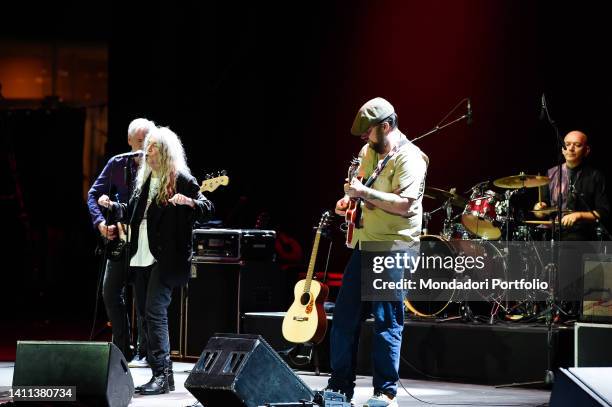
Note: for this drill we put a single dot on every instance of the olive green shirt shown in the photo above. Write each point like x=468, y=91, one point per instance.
x=404, y=175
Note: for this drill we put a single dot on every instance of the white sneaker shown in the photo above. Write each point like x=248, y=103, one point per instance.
x=138, y=362
x=381, y=400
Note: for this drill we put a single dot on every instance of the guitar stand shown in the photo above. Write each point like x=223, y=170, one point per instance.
x=311, y=356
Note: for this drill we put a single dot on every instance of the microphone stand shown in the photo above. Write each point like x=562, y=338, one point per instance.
x=556, y=254
x=553, y=266
x=127, y=175
x=437, y=127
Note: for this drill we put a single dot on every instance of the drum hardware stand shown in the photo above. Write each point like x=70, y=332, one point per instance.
x=427, y=217
x=552, y=267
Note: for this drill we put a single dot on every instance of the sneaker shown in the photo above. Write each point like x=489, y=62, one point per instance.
x=380, y=399
x=138, y=362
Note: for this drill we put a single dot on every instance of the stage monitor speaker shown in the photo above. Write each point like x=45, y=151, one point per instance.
x=97, y=369
x=592, y=345
x=584, y=387
x=243, y=371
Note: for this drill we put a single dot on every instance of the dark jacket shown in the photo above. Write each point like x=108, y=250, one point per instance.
x=169, y=228
x=590, y=193
x=111, y=181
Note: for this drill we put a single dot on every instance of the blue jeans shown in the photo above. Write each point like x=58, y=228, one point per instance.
x=158, y=298
x=349, y=312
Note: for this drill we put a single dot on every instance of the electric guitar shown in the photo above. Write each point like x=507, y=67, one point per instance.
x=305, y=320
x=113, y=249
x=353, y=213
x=213, y=182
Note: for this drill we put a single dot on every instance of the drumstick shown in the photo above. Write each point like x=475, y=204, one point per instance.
x=540, y=191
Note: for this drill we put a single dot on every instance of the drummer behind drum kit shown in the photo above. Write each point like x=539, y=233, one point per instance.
x=486, y=216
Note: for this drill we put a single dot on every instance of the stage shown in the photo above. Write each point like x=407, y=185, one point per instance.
x=429, y=391
x=466, y=352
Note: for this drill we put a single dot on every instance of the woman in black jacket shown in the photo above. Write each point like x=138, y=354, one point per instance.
x=166, y=203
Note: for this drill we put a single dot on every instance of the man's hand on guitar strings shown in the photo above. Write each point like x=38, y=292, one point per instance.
x=355, y=189
x=342, y=205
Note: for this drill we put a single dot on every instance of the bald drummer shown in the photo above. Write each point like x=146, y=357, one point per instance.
x=582, y=187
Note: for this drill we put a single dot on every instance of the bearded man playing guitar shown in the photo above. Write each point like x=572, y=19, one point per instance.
x=395, y=171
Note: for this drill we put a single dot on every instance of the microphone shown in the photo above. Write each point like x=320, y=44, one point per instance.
x=131, y=154
x=543, y=108
x=469, y=111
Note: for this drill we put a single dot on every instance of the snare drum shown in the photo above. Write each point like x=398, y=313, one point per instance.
x=482, y=215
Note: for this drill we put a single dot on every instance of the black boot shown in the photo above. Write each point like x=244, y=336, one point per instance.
x=137, y=389
x=158, y=383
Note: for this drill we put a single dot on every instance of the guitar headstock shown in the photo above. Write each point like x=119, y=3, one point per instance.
x=325, y=220
x=214, y=181
x=353, y=168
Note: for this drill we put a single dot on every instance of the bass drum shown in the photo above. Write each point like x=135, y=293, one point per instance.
x=438, y=246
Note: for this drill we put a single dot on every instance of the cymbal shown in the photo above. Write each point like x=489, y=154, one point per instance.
x=443, y=195
x=550, y=211
x=521, y=181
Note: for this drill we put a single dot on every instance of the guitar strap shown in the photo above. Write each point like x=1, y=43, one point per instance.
x=383, y=163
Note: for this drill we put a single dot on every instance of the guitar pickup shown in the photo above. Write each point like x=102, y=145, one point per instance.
x=300, y=319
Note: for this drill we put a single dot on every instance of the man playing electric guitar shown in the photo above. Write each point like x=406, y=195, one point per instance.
x=392, y=210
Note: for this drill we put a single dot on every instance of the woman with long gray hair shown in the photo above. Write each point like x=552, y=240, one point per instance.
x=166, y=203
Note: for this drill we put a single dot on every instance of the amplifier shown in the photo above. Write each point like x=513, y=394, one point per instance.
x=232, y=245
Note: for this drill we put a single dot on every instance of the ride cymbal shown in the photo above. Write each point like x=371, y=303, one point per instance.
x=521, y=181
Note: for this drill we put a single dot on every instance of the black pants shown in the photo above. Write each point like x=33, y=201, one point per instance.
x=114, y=293
x=157, y=301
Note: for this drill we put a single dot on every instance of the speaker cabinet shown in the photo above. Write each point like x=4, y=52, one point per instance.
x=218, y=293
x=592, y=345
x=211, y=305
x=597, y=288
x=243, y=371
x=584, y=387
x=97, y=369
x=176, y=322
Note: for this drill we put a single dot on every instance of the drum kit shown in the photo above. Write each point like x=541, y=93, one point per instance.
x=472, y=225
x=487, y=214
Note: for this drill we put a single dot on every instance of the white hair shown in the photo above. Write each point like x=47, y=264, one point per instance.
x=140, y=124
x=172, y=162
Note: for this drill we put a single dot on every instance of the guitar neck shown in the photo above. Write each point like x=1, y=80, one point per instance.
x=313, y=260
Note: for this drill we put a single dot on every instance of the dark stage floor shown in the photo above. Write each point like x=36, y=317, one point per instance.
x=451, y=394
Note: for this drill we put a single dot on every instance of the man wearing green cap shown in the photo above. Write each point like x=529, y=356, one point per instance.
x=392, y=211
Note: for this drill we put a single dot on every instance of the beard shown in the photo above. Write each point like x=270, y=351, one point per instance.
x=380, y=145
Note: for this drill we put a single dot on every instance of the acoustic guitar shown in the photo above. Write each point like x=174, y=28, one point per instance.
x=305, y=320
